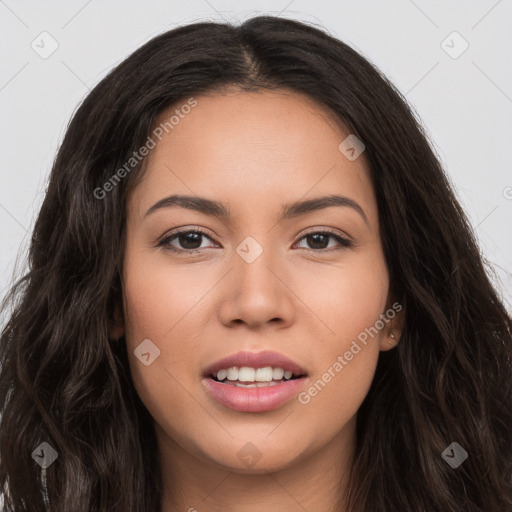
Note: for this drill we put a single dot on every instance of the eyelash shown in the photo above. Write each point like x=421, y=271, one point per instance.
x=344, y=242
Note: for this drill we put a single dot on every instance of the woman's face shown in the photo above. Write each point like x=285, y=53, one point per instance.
x=256, y=282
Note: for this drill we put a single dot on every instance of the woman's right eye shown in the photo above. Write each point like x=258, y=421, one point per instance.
x=188, y=239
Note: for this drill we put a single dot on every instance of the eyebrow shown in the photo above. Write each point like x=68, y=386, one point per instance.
x=292, y=210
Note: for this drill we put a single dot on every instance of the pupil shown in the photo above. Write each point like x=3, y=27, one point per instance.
x=186, y=245
x=315, y=238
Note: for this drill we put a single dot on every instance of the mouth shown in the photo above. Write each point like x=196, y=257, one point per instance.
x=247, y=377
x=254, y=382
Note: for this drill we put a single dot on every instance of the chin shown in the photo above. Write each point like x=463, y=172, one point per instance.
x=258, y=457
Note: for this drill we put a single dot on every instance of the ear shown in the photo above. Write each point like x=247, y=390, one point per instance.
x=392, y=331
x=116, y=324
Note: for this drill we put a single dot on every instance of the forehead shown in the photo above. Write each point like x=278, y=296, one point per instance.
x=252, y=148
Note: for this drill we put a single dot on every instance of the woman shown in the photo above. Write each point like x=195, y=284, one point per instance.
x=251, y=287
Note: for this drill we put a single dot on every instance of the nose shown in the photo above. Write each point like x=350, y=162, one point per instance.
x=257, y=293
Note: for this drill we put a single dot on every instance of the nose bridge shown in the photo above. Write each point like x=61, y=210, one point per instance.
x=253, y=263
x=256, y=295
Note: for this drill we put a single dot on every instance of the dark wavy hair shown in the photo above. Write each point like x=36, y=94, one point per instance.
x=65, y=382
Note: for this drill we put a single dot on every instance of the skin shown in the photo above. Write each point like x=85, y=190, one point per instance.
x=254, y=152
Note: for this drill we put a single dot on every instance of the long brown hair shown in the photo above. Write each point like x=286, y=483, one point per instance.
x=64, y=382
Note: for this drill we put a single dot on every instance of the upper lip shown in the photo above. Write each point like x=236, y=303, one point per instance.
x=255, y=360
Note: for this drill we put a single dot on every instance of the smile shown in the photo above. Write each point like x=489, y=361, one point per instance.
x=254, y=381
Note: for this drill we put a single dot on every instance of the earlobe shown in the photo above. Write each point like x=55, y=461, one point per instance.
x=392, y=333
x=389, y=340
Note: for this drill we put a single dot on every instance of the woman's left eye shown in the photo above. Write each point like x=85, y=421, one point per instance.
x=320, y=237
x=191, y=242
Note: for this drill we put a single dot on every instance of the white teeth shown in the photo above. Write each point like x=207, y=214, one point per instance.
x=246, y=374
x=264, y=374
x=277, y=373
x=253, y=375
x=256, y=385
x=240, y=385
x=232, y=373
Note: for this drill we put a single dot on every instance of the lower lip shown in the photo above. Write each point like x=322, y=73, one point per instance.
x=254, y=399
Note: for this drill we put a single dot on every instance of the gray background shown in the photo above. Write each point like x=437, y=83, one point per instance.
x=464, y=102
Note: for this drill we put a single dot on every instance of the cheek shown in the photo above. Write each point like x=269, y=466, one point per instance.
x=163, y=303
x=362, y=298
x=154, y=306
x=350, y=301
x=159, y=296
x=347, y=297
